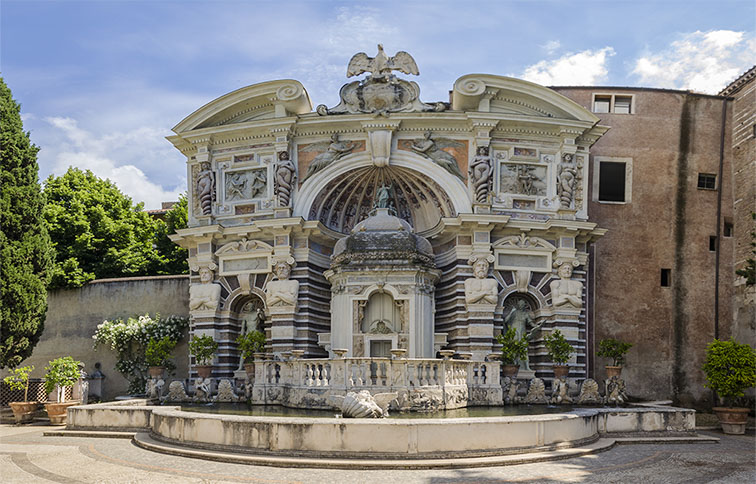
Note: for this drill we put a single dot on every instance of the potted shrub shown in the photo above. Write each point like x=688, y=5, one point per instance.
x=513, y=350
x=203, y=348
x=730, y=368
x=61, y=373
x=23, y=411
x=251, y=345
x=616, y=350
x=158, y=354
x=559, y=351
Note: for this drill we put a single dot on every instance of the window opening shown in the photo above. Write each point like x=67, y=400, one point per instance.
x=713, y=243
x=666, y=277
x=611, y=181
x=707, y=181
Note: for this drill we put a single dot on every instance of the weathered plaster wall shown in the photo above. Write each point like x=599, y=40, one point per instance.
x=743, y=91
x=671, y=137
x=73, y=316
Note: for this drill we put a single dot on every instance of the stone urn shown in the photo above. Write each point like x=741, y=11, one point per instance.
x=57, y=411
x=733, y=419
x=297, y=354
x=446, y=354
x=398, y=353
x=156, y=371
x=613, y=371
x=510, y=370
x=340, y=352
x=204, y=371
x=23, y=412
x=561, y=371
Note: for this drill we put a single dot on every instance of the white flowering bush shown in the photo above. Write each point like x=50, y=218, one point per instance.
x=129, y=339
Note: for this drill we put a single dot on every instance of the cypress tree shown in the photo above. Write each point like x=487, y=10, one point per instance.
x=26, y=253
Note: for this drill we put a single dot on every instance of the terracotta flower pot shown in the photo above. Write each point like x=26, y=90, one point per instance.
x=733, y=419
x=561, y=371
x=58, y=411
x=23, y=412
x=510, y=370
x=204, y=371
x=613, y=371
x=156, y=371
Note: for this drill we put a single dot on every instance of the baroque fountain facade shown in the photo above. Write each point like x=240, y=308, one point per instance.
x=382, y=244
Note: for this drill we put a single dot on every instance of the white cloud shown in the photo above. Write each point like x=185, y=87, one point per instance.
x=83, y=149
x=573, y=69
x=551, y=46
x=699, y=61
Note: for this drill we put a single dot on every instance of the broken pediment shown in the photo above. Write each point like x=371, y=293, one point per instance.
x=498, y=94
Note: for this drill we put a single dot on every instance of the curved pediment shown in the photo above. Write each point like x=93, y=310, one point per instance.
x=499, y=94
x=272, y=99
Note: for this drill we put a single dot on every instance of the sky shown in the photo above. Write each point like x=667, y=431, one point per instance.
x=101, y=83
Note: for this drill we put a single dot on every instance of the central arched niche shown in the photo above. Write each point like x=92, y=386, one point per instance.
x=347, y=199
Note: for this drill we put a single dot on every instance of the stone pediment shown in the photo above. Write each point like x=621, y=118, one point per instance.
x=498, y=94
x=272, y=99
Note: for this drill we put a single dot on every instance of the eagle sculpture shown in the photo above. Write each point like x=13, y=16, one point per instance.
x=381, y=65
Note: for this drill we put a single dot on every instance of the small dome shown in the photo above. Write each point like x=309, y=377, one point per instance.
x=383, y=238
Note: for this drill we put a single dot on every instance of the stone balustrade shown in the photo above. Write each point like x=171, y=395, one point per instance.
x=421, y=383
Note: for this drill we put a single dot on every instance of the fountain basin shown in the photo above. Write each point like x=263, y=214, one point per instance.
x=379, y=438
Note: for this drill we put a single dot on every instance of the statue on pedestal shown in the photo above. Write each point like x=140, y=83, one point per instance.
x=206, y=295
x=283, y=292
x=565, y=291
x=519, y=315
x=480, y=289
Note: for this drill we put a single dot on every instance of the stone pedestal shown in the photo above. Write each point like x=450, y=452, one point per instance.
x=480, y=329
x=283, y=328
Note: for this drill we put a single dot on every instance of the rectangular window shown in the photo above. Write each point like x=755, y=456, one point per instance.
x=622, y=104
x=611, y=182
x=666, y=277
x=611, y=103
x=601, y=104
x=712, y=243
x=727, y=232
x=707, y=181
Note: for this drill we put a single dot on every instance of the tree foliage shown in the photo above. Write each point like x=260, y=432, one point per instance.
x=730, y=368
x=173, y=258
x=25, y=250
x=99, y=233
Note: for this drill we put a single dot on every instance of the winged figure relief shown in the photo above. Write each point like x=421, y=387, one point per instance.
x=434, y=150
x=330, y=151
x=381, y=65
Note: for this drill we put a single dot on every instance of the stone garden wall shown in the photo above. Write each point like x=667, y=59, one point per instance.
x=73, y=316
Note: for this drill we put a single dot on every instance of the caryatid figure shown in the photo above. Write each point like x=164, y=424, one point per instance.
x=565, y=291
x=205, y=188
x=480, y=174
x=284, y=291
x=206, y=295
x=481, y=289
x=286, y=174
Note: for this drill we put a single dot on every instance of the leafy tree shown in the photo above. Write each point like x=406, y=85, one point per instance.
x=25, y=250
x=96, y=230
x=173, y=258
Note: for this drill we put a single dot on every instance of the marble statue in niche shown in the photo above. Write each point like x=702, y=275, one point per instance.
x=205, y=188
x=284, y=291
x=481, y=289
x=384, y=197
x=252, y=318
x=433, y=150
x=286, y=174
x=519, y=315
x=206, y=295
x=566, y=181
x=334, y=150
x=523, y=179
x=480, y=174
x=565, y=291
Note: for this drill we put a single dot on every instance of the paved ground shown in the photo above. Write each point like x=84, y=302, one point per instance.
x=26, y=456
